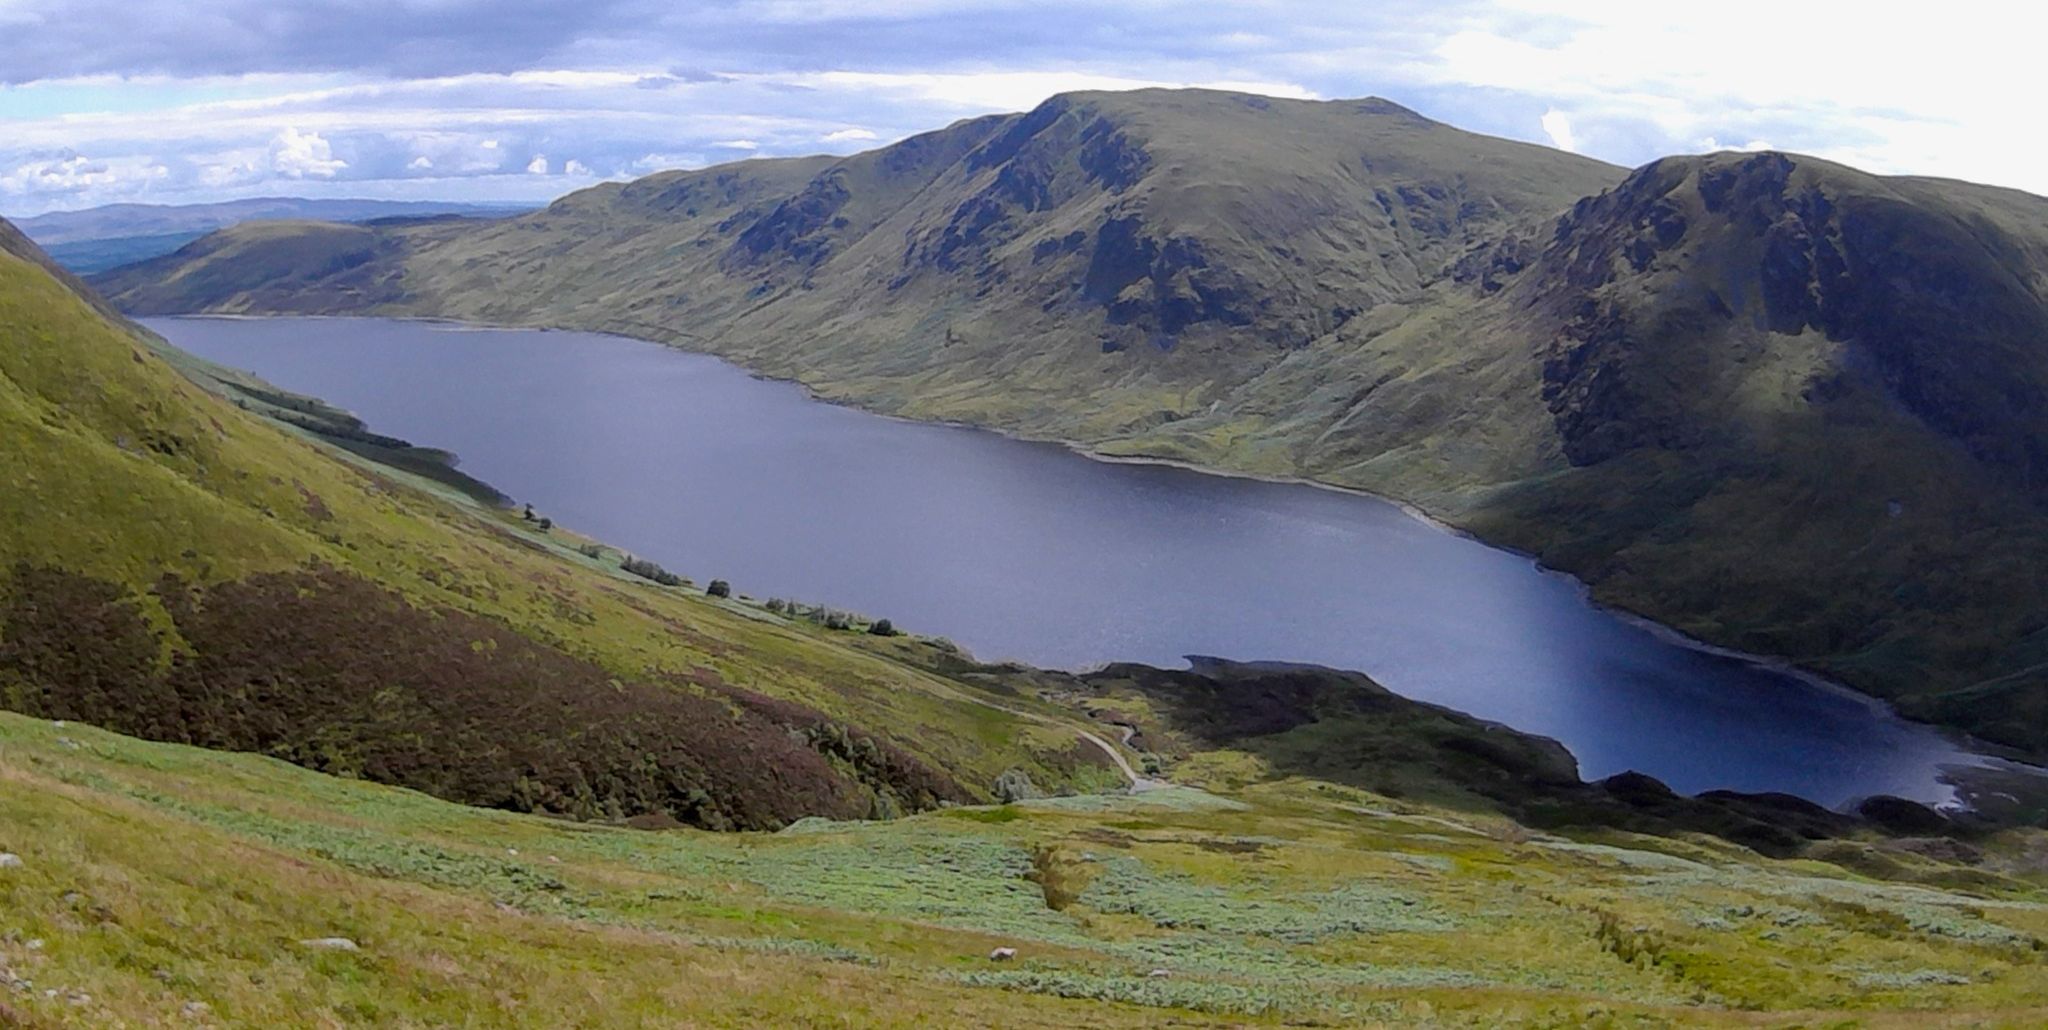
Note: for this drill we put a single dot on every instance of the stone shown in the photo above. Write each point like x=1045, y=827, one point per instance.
x=1158, y=974
x=329, y=944
x=9, y=860
x=1002, y=954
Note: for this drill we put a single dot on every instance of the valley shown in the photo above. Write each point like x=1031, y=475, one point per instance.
x=1777, y=404
x=757, y=710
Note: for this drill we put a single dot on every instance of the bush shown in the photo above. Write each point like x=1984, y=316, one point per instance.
x=645, y=569
x=719, y=588
x=546, y=524
x=1015, y=785
x=777, y=605
x=590, y=550
x=883, y=628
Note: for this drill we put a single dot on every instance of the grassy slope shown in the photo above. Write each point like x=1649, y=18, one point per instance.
x=156, y=876
x=121, y=469
x=1327, y=289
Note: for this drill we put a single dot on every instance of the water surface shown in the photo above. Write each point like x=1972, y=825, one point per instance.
x=1027, y=551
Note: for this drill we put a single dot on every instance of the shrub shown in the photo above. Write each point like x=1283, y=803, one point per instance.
x=645, y=569
x=1015, y=785
x=719, y=588
x=546, y=524
x=883, y=628
x=1060, y=876
x=590, y=550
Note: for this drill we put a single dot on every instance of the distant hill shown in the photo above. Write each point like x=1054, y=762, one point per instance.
x=97, y=239
x=1777, y=403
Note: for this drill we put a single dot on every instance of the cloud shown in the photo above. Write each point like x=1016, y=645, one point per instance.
x=302, y=155
x=392, y=97
x=537, y=166
x=1558, y=126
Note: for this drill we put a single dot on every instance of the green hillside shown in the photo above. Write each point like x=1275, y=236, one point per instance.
x=165, y=885
x=189, y=558
x=1779, y=404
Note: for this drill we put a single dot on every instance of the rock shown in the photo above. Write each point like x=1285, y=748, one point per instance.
x=196, y=1008
x=34, y=944
x=9, y=860
x=1002, y=954
x=1158, y=974
x=329, y=944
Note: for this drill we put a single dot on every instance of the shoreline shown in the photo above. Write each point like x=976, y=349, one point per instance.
x=1986, y=755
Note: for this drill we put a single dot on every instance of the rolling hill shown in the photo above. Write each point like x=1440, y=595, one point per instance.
x=1776, y=403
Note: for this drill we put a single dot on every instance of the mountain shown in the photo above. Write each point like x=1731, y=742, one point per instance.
x=192, y=556
x=1776, y=403
x=101, y=238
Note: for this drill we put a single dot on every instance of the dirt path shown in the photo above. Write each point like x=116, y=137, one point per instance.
x=1139, y=783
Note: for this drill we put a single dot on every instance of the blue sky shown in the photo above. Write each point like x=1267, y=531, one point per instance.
x=172, y=102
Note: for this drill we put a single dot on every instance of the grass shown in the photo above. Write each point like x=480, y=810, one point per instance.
x=158, y=876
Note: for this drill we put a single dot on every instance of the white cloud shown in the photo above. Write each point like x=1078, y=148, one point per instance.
x=737, y=144
x=421, y=163
x=71, y=172
x=666, y=162
x=849, y=136
x=576, y=168
x=302, y=155
x=1558, y=126
x=537, y=166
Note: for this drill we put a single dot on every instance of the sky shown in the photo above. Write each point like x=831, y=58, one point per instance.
x=181, y=101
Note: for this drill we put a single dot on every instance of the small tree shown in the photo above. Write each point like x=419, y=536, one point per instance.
x=883, y=628
x=527, y=514
x=719, y=588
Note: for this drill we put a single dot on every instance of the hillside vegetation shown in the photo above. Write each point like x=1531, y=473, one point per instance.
x=164, y=885
x=1779, y=404
x=186, y=557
